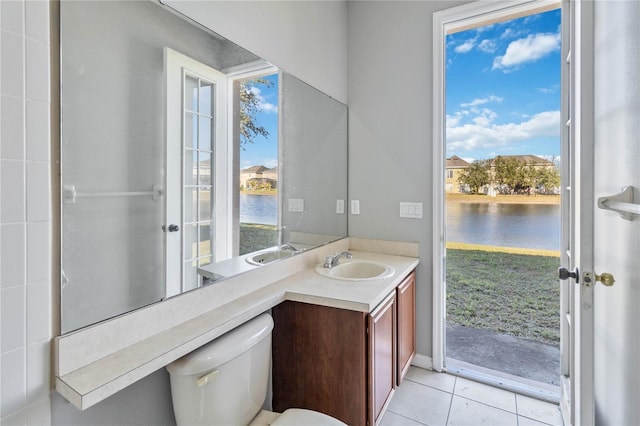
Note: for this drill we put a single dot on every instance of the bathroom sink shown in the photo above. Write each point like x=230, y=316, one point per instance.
x=357, y=270
x=266, y=256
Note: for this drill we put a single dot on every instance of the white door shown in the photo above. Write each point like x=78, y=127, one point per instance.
x=196, y=170
x=604, y=374
x=577, y=243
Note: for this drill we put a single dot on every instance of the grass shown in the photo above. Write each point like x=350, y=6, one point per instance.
x=512, y=250
x=503, y=199
x=255, y=237
x=515, y=294
x=259, y=191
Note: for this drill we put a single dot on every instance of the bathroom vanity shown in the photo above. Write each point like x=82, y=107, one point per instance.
x=96, y=362
x=342, y=362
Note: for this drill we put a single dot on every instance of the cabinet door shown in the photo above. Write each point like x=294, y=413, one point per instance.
x=406, y=299
x=320, y=361
x=382, y=357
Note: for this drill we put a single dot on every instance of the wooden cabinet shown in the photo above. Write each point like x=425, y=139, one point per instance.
x=320, y=360
x=343, y=363
x=406, y=314
x=382, y=357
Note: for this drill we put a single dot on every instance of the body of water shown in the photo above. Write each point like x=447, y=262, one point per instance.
x=262, y=209
x=510, y=225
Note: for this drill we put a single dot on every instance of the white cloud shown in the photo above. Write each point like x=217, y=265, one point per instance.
x=453, y=120
x=510, y=33
x=481, y=101
x=548, y=90
x=529, y=49
x=466, y=46
x=263, y=105
x=485, y=117
x=267, y=162
x=487, y=46
x=479, y=134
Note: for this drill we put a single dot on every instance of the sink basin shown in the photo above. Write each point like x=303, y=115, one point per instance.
x=266, y=256
x=357, y=270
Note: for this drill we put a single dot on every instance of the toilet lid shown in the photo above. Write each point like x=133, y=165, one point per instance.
x=299, y=416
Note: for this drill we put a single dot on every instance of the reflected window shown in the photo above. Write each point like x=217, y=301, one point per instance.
x=198, y=183
x=256, y=137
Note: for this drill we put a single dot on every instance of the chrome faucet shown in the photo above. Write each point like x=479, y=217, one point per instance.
x=288, y=247
x=331, y=261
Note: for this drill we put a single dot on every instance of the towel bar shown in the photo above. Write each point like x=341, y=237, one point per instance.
x=621, y=203
x=70, y=193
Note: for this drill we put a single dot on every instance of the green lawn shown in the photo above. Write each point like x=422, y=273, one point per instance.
x=514, y=294
x=255, y=237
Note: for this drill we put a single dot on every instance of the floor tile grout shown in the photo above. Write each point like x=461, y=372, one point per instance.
x=455, y=381
x=453, y=393
x=405, y=417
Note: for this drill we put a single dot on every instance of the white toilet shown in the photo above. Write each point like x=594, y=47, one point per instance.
x=225, y=382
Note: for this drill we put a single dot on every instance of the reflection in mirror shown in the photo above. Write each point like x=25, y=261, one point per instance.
x=185, y=159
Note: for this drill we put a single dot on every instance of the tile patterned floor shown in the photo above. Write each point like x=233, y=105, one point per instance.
x=429, y=398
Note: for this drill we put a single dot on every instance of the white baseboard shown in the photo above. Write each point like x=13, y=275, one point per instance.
x=422, y=361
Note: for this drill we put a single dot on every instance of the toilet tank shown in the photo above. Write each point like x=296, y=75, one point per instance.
x=225, y=381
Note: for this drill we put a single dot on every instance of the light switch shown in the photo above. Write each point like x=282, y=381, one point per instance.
x=355, y=206
x=340, y=206
x=411, y=210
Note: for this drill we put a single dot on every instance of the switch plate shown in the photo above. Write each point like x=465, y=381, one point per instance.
x=355, y=206
x=411, y=210
x=296, y=205
x=340, y=206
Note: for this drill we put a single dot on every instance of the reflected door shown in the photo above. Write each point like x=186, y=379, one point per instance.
x=195, y=170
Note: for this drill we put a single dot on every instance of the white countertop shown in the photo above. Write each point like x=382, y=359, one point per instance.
x=89, y=371
x=310, y=287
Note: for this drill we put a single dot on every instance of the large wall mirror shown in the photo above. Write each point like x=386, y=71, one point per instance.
x=185, y=159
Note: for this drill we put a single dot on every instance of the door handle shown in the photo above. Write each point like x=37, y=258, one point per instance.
x=171, y=228
x=565, y=274
x=605, y=278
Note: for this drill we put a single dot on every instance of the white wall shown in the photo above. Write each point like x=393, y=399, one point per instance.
x=390, y=151
x=25, y=213
x=304, y=38
x=617, y=150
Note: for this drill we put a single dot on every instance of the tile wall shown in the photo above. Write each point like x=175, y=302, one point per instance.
x=25, y=213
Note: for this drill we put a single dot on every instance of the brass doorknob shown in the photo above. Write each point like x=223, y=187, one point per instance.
x=606, y=279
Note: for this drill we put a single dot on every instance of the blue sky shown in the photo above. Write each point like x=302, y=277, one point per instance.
x=503, y=89
x=264, y=151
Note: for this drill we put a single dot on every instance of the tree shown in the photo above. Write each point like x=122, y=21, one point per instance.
x=511, y=173
x=546, y=179
x=475, y=176
x=250, y=104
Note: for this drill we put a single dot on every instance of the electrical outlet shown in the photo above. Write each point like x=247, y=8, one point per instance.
x=340, y=206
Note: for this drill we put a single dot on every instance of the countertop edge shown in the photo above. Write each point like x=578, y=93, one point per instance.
x=92, y=383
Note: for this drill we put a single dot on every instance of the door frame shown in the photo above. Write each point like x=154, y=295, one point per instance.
x=577, y=402
x=445, y=22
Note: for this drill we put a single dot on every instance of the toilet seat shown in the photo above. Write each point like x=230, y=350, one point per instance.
x=299, y=416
